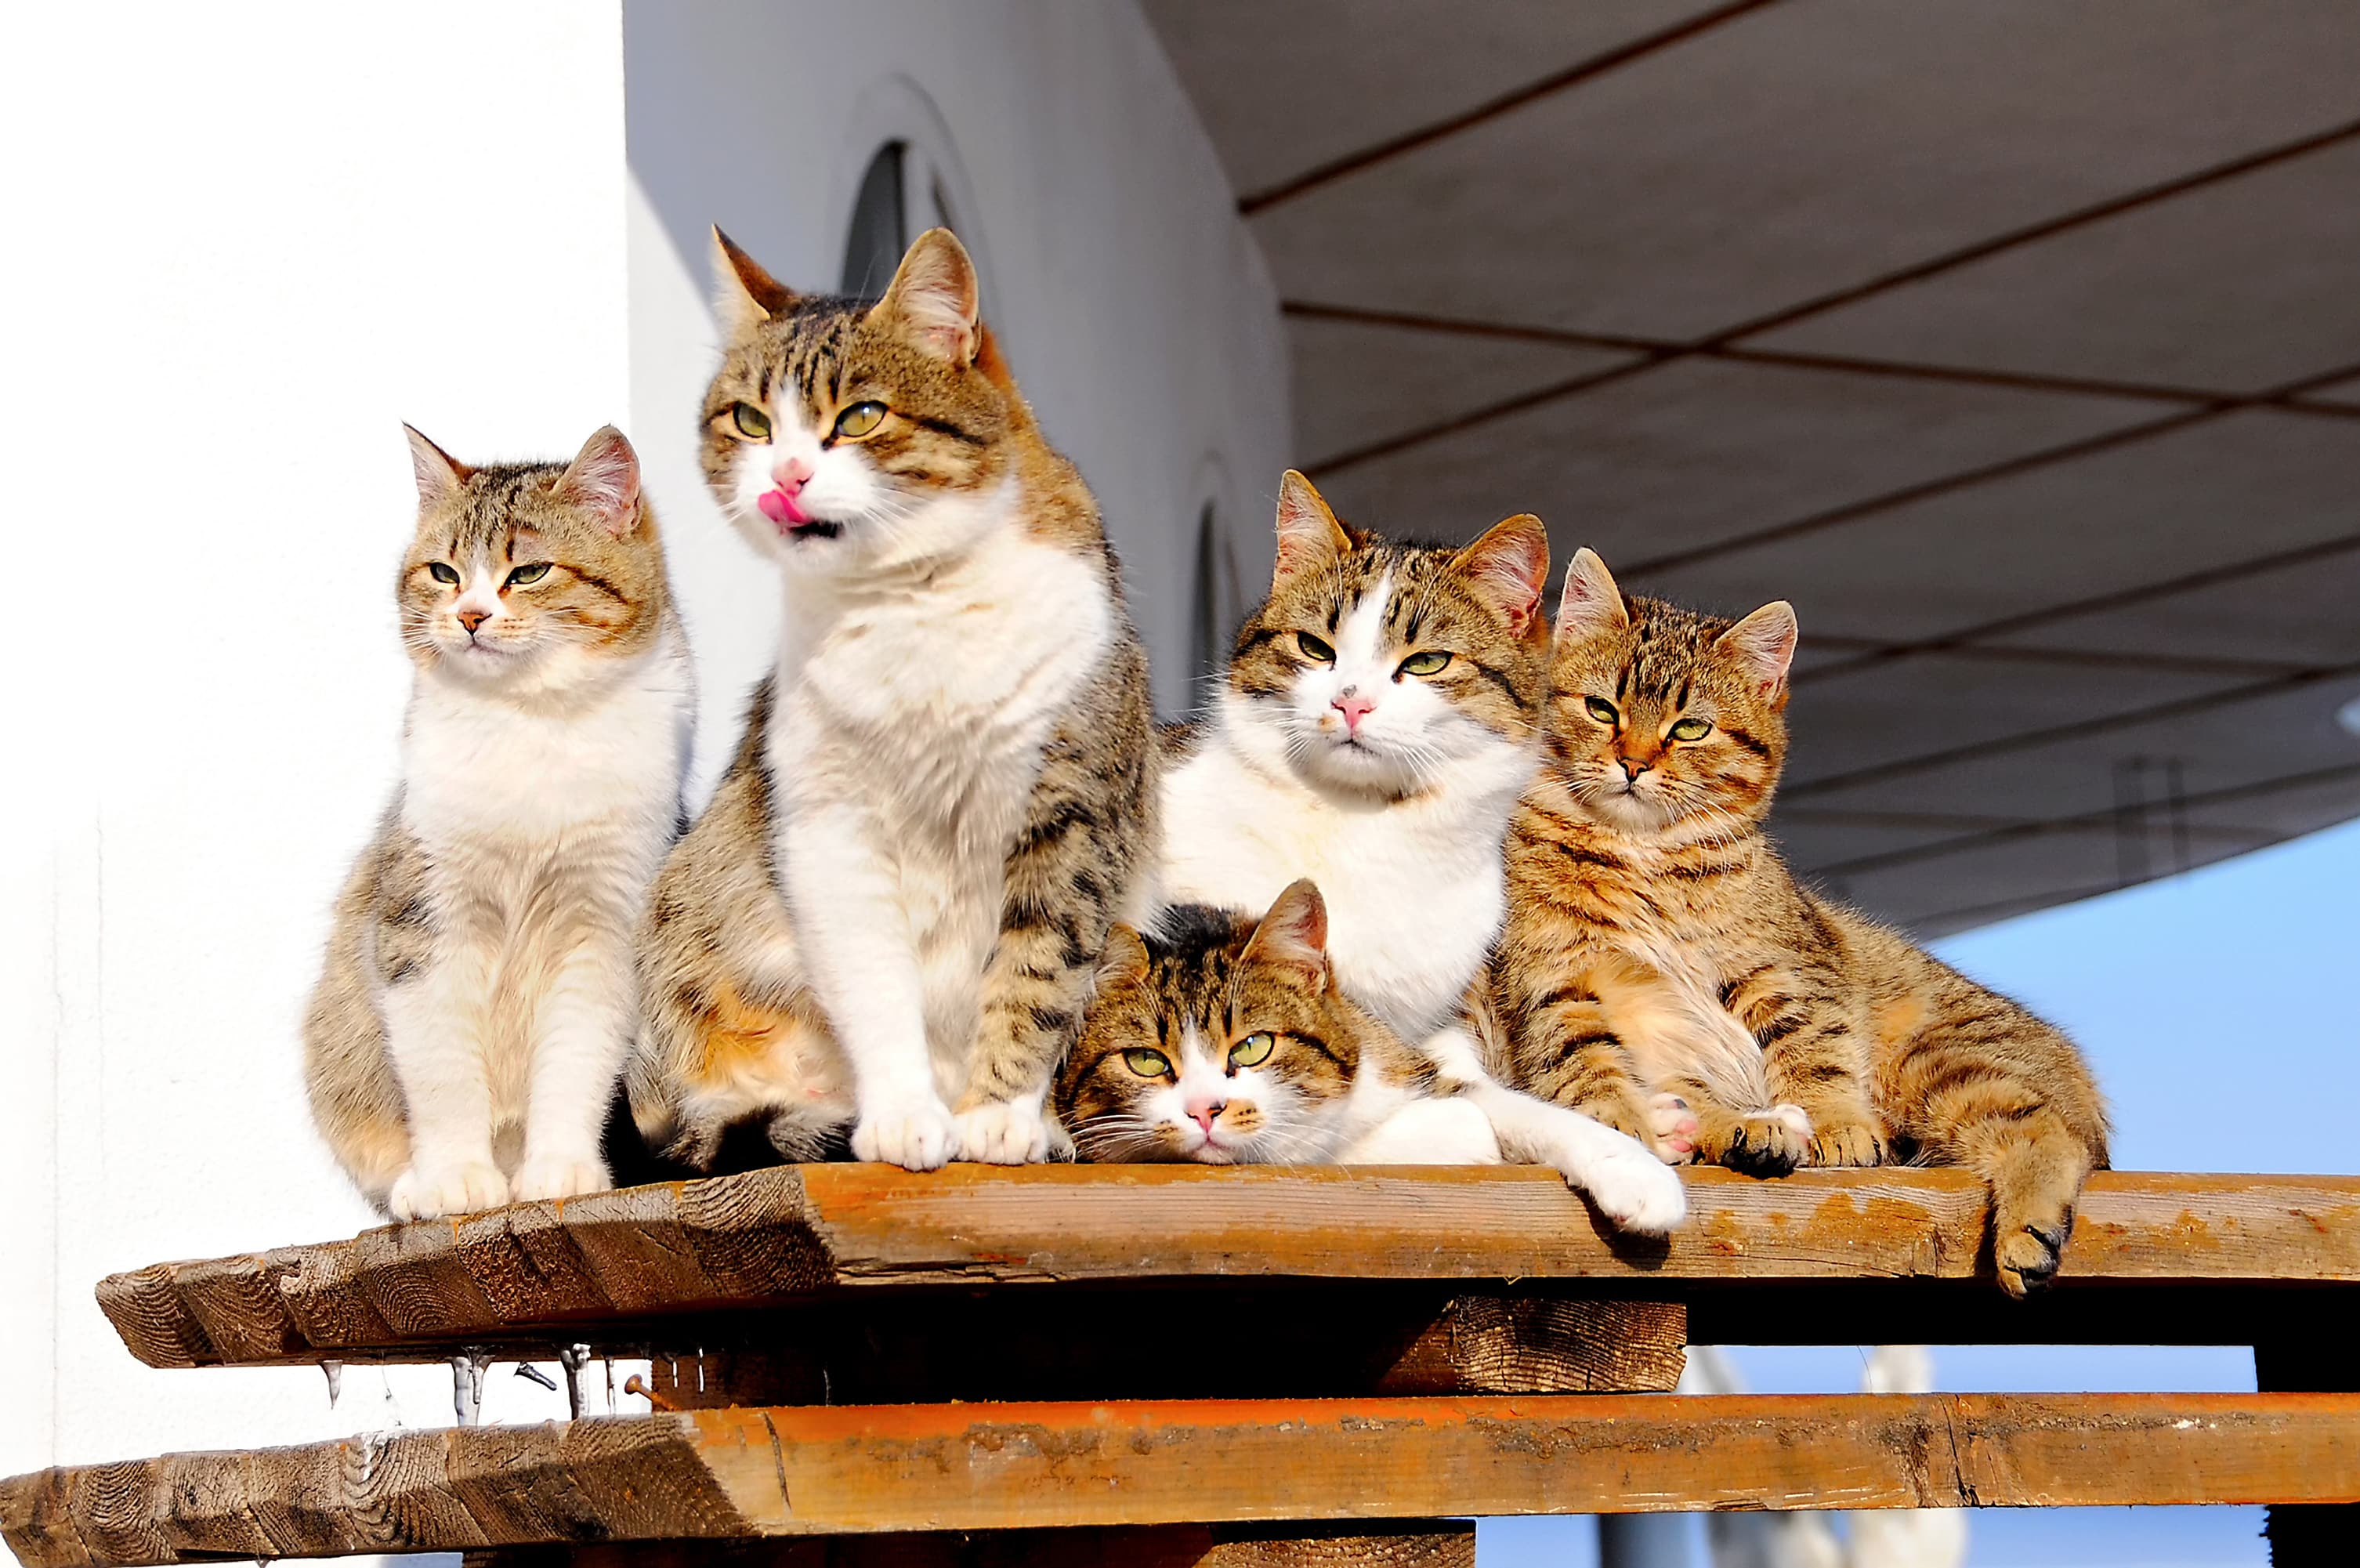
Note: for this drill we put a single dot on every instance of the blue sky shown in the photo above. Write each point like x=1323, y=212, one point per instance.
x=2214, y=1006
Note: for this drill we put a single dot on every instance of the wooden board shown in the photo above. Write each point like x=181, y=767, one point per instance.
x=1364, y=1544
x=611, y=1268
x=738, y=1474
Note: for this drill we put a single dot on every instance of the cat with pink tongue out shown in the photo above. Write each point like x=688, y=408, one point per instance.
x=1379, y=721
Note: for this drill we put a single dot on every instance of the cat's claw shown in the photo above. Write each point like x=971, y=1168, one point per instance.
x=466, y=1188
x=546, y=1177
x=2027, y=1259
x=1771, y=1142
x=1635, y=1189
x=1848, y=1144
x=916, y=1137
x=1671, y=1129
x=1013, y=1132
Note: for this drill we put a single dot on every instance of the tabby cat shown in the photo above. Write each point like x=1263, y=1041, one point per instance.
x=463, y=1043
x=1656, y=942
x=1380, y=718
x=1225, y=1040
x=885, y=922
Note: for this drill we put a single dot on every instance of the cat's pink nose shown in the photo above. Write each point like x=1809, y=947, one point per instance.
x=1206, y=1112
x=1354, y=706
x=788, y=474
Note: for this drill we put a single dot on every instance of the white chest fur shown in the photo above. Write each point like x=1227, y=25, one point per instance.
x=917, y=707
x=593, y=775
x=1414, y=889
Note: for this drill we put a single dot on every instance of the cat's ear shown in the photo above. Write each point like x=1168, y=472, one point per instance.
x=744, y=296
x=1308, y=533
x=1293, y=936
x=1508, y=567
x=1763, y=646
x=934, y=298
x=604, y=480
x=440, y=476
x=1590, y=603
x=1125, y=957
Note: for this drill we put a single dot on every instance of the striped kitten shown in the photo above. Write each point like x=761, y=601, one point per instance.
x=461, y=1044
x=885, y=920
x=1655, y=941
x=1379, y=716
x=1225, y=1040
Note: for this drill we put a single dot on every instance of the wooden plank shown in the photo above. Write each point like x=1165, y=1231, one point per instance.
x=611, y=1268
x=2314, y=1355
x=739, y=1473
x=1414, y=1543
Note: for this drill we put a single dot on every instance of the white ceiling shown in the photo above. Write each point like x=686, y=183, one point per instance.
x=2017, y=344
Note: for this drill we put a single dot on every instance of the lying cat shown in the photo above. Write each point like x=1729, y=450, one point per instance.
x=1226, y=1041
x=465, y=1037
x=1656, y=944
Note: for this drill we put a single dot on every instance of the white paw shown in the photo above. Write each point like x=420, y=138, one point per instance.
x=1673, y=1127
x=548, y=1177
x=1794, y=1116
x=1013, y=1132
x=1633, y=1189
x=432, y=1193
x=916, y=1135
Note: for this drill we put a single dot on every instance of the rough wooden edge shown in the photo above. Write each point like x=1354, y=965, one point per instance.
x=648, y=1252
x=737, y=1474
x=1367, y=1543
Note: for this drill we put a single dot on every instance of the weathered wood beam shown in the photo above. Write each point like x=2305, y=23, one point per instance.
x=733, y=1475
x=1364, y=1544
x=605, y=1268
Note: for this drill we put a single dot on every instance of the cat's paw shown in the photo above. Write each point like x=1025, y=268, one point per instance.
x=469, y=1187
x=1634, y=1188
x=1672, y=1129
x=1013, y=1132
x=2027, y=1258
x=1768, y=1143
x=545, y=1177
x=1848, y=1144
x=916, y=1135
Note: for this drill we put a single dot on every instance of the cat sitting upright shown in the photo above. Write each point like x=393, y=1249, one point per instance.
x=1379, y=718
x=463, y=1043
x=885, y=922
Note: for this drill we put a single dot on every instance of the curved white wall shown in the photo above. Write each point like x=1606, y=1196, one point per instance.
x=245, y=243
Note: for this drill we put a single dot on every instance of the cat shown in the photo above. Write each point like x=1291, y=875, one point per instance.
x=463, y=1040
x=1377, y=721
x=1656, y=941
x=1224, y=1039
x=881, y=930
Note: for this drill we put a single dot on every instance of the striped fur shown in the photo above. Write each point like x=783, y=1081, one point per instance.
x=1657, y=946
x=885, y=923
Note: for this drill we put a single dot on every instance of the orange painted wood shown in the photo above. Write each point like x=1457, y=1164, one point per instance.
x=605, y=1268
x=733, y=1475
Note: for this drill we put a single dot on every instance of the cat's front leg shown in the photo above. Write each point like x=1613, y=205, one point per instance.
x=584, y=1026
x=1623, y=1177
x=1077, y=854
x=435, y=1036
x=845, y=906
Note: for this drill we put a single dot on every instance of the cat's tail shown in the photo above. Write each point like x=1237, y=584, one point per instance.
x=347, y=1071
x=1978, y=1081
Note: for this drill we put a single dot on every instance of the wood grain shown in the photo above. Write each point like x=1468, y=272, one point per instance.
x=732, y=1475
x=613, y=1268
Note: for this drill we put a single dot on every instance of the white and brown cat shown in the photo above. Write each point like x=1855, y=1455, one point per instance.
x=463, y=1040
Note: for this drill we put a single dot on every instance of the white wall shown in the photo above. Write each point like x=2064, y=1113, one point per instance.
x=1132, y=304
x=244, y=243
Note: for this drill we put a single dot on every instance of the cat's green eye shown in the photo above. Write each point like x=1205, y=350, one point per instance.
x=531, y=573
x=442, y=572
x=752, y=422
x=1603, y=711
x=1315, y=649
x=1147, y=1064
x=1430, y=663
x=1691, y=730
x=1252, y=1051
x=860, y=419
